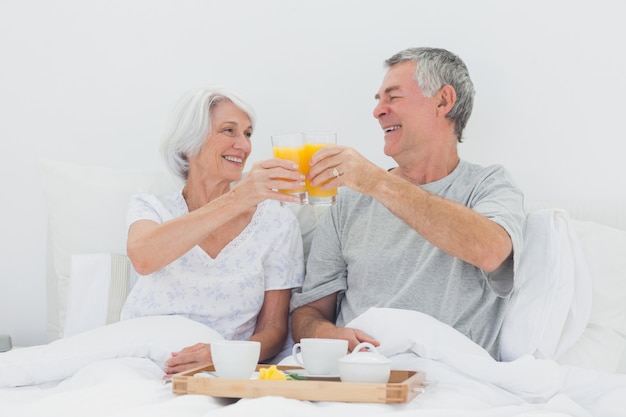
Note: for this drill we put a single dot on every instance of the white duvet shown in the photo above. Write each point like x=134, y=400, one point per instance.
x=116, y=370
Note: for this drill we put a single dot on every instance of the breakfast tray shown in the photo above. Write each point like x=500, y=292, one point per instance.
x=402, y=387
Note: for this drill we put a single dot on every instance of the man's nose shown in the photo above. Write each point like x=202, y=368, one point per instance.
x=379, y=111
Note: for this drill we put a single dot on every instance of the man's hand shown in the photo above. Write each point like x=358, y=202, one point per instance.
x=352, y=169
x=317, y=319
x=353, y=336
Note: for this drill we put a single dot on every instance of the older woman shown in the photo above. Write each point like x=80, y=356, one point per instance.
x=227, y=256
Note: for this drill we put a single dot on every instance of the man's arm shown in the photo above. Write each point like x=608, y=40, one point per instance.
x=317, y=319
x=452, y=227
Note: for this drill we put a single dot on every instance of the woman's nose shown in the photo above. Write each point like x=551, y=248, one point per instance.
x=242, y=142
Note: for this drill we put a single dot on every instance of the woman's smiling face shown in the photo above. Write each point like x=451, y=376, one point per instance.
x=227, y=146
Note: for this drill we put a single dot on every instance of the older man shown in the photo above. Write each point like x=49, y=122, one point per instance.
x=436, y=234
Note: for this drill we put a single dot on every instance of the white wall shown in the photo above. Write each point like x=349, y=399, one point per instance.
x=92, y=82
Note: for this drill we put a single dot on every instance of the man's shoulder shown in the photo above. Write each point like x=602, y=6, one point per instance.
x=476, y=173
x=471, y=167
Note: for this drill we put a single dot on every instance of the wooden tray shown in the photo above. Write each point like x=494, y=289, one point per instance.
x=402, y=387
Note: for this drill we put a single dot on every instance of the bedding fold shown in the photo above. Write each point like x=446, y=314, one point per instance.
x=400, y=331
x=154, y=337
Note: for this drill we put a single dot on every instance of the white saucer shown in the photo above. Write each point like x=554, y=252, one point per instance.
x=304, y=373
x=207, y=374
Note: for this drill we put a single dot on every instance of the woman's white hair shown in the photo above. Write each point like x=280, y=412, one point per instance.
x=190, y=123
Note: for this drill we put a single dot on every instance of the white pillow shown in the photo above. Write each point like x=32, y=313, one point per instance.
x=605, y=251
x=153, y=337
x=621, y=366
x=87, y=214
x=550, y=306
x=308, y=216
x=599, y=348
x=99, y=284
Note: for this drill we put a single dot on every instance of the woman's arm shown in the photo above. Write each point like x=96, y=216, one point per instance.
x=272, y=323
x=151, y=246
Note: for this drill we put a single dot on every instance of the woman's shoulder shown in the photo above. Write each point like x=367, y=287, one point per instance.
x=172, y=202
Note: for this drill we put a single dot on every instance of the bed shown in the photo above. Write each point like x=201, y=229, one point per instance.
x=563, y=339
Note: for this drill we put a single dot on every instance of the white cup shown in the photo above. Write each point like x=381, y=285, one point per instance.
x=235, y=358
x=320, y=356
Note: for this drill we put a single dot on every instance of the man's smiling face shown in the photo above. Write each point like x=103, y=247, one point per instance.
x=404, y=113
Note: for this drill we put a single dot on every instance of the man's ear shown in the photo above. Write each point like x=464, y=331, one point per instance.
x=447, y=97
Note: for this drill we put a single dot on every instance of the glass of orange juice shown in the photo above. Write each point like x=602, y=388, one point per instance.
x=313, y=143
x=291, y=147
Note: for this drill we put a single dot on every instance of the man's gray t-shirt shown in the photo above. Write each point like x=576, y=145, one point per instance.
x=373, y=259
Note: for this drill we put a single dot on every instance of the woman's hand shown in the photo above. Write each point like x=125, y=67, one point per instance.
x=266, y=178
x=188, y=358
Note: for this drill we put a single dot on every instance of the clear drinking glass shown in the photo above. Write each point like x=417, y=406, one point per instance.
x=291, y=147
x=313, y=143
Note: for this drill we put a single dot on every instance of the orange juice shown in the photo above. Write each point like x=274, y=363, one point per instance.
x=297, y=155
x=310, y=149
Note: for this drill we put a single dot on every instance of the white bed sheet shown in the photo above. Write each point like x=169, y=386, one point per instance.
x=464, y=381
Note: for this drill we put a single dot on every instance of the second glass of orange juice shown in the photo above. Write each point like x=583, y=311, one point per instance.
x=313, y=143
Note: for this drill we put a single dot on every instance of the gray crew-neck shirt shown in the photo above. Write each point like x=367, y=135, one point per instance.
x=373, y=259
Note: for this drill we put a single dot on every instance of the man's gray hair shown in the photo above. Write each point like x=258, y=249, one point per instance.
x=436, y=68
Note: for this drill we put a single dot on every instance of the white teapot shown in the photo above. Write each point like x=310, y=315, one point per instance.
x=366, y=366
